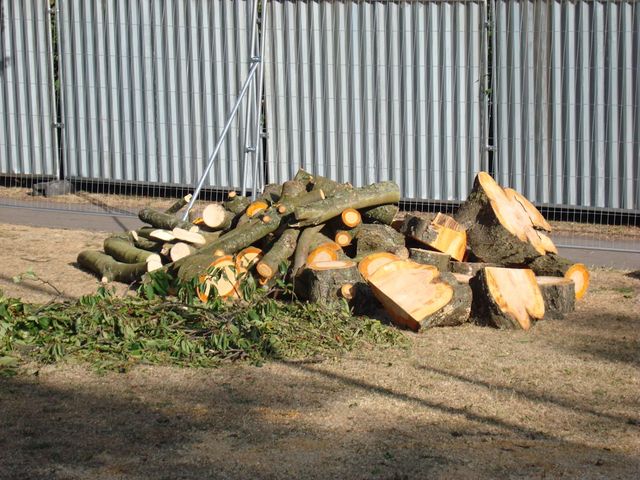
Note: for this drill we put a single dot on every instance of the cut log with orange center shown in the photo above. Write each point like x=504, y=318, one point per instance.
x=224, y=279
x=256, y=207
x=351, y=217
x=247, y=258
x=369, y=264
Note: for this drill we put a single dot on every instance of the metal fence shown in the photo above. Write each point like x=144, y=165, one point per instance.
x=544, y=94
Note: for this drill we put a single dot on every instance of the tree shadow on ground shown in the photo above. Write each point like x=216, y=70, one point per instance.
x=291, y=420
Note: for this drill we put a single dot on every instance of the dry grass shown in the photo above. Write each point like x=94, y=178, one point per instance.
x=562, y=400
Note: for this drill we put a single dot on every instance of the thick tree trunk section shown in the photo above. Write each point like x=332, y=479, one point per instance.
x=506, y=298
x=123, y=251
x=229, y=243
x=369, y=264
x=537, y=220
x=457, y=311
x=280, y=252
x=559, y=296
x=498, y=229
x=429, y=257
x=436, y=235
x=469, y=268
x=320, y=212
x=372, y=238
x=323, y=282
x=162, y=220
x=384, y=214
x=556, y=266
x=110, y=269
x=178, y=205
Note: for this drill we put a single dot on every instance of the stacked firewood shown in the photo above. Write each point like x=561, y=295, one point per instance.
x=491, y=263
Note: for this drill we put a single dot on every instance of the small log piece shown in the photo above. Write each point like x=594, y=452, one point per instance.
x=178, y=205
x=111, y=270
x=281, y=251
x=556, y=266
x=180, y=250
x=559, y=296
x=429, y=257
x=437, y=234
x=457, y=311
x=323, y=281
x=162, y=220
x=124, y=251
x=236, y=204
x=506, y=298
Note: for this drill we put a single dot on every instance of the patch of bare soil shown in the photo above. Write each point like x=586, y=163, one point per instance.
x=562, y=400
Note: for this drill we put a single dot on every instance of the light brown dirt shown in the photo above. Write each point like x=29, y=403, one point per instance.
x=561, y=400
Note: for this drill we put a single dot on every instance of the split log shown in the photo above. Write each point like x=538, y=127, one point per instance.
x=180, y=250
x=162, y=220
x=280, y=252
x=247, y=258
x=369, y=264
x=123, y=251
x=457, y=311
x=469, y=268
x=320, y=212
x=410, y=293
x=303, y=247
x=221, y=280
x=559, y=296
x=384, y=214
x=506, y=298
x=323, y=281
x=556, y=266
x=547, y=243
x=498, y=229
x=178, y=205
x=437, y=234
x=372, y=238
x=189, y=237
x=110, y=269
x=537, y=220
x=429, y=257
x=236, y=204
x=229, y=243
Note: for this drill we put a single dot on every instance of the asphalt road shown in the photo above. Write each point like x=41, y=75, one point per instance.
x=587, y=250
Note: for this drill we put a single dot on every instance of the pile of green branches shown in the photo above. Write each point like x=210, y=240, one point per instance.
x=114, y=332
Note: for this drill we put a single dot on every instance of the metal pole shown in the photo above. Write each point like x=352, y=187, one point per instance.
x=214, y=154
x=250, y=105
x=256, y=143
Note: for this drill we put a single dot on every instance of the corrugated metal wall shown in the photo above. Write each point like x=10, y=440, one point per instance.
x=363, y=91
x=567, y=97
x=27, y=137
x=148, y=86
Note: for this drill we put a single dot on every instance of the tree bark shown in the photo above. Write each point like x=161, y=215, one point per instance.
x=319, y=285
x=457, y=311
x=370, y=238
x=556, y=266
x=559, y=296
x=110, y=269
x=303, y=176
x=178, y=205
x=429, y=257
x=162, y=220
x=438, y=236
x=237, y=204
x=469, y=268
x=303, y=247
x=280, y=252
x=123, y=251
x=320, y=212
x=384, y=214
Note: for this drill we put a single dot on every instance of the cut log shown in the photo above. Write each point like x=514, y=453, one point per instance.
x=162, y=220
x=303, y=176
x=288, y=205
x=123, y=251
x=343, y=238
x=506, y=298
x=156, y=234
x=439, y=236
x=111, y=270
x=328, y=186
x=236, y=204
x=323, y=281
x=498, y=229
x=214, y=216
x=142, y=242
x=556, y=266
x=351, y=217
x=189, y=237
x=291, y=189
x=469, y=268
x=369, y=264
x=384, y=214
x=271, y=193
x=320, y=212
x=326, y=252
x=559, y=296
x=410, y=293
x=429, y=257
x=303, y=247
x=222, y=281
x=180, y=250
x=178, y=205
x=280, y=252
x=538, y=221
x=457, y=311
x=247, y=258
x=256, y=207
x=371, y=238
x=231, y=242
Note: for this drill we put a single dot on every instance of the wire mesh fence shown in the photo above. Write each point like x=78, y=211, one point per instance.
x=125, y=100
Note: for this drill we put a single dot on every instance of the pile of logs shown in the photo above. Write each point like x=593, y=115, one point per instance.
x=492, y=263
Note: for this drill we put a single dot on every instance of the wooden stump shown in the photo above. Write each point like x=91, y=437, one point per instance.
x=556, y=266
x=506, y=298
x=323, y=281
x=559, y=296
x=430, y=257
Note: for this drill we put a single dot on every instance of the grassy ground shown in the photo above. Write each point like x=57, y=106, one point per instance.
x=562, y=400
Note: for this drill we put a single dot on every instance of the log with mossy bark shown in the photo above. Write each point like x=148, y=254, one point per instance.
x=178, y=205
x=430, y=257
x=384, y=214
x=236, y=204
x=281, y=251
x=323, y=281
x=559, y=296
x=304, y=177
x=303, y=247
x=162, y=220
x=557, y=266
x=110, y=269
x=124, y=251
x=457, y=311
x=331, y=207
x=370, y=238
